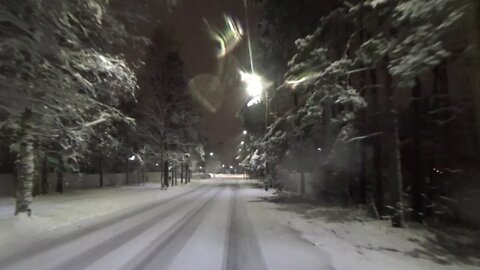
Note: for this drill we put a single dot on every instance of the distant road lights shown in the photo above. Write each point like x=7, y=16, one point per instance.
x=242, y=143
x=244, y=132
x=156, y=164
x=231, y=167
x=211, y=153
x=132, y=157
x=319, y=149
x=200, y=167
x=240, y=150
x=223, y=166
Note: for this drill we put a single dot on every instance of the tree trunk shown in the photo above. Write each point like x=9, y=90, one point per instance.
x=44, y=180
x=418, y=185
x=329, y=140
x=175, y=175
x=25, y=170
x=441, y=101
x=181, y=173
x=100, y=170
x=364, y=128
x=377, y=147
x=60, y=170
x=432, y=189
x=474, y=33
x=378, y=171
x=397, y=183
x=165, y=173
x=163, y=168
x=363, y=174
x=37, y=181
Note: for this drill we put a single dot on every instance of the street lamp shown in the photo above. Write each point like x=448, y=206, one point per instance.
x=253, y=83
x=211, y=154
x=242, y=143
x=244, y=132
x=131, y=158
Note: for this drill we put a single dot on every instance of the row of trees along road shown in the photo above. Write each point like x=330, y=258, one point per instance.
x=366, y=96
x=67, y=92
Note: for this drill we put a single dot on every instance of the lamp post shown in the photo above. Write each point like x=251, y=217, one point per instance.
x=131, y=158
x=209, y=165
x=254, y=84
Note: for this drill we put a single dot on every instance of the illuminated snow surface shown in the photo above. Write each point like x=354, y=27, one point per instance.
x=221, y=223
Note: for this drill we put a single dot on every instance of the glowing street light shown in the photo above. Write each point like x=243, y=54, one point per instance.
x=211, y=153
x=253, y=83
x=132, y=157
x=242, y=142
x=231, y=167
x=319, y=149
x=223, y=166
x=244, y=132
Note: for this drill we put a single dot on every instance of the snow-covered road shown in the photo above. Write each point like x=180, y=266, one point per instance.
x=217, y=224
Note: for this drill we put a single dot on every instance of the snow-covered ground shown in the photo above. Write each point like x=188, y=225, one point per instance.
x=354, y=241
x=220, y=223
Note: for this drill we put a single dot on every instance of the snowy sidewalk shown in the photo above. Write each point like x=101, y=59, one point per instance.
x=355, y=241
x=78, y=208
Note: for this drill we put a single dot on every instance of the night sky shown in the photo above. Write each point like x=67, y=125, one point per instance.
x=182, y=21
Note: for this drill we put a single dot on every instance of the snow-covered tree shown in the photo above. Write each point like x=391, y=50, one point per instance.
x=167, y=120
x=360, y=51
x=57, y=80
x=407, y=39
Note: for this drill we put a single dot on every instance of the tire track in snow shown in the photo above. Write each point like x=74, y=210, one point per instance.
x=162, y=251
x=47, y=244
x=96, y=252
x=242, y=248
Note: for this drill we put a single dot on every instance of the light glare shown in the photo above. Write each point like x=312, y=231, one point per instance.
x=253, y=101
x=253, y=83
